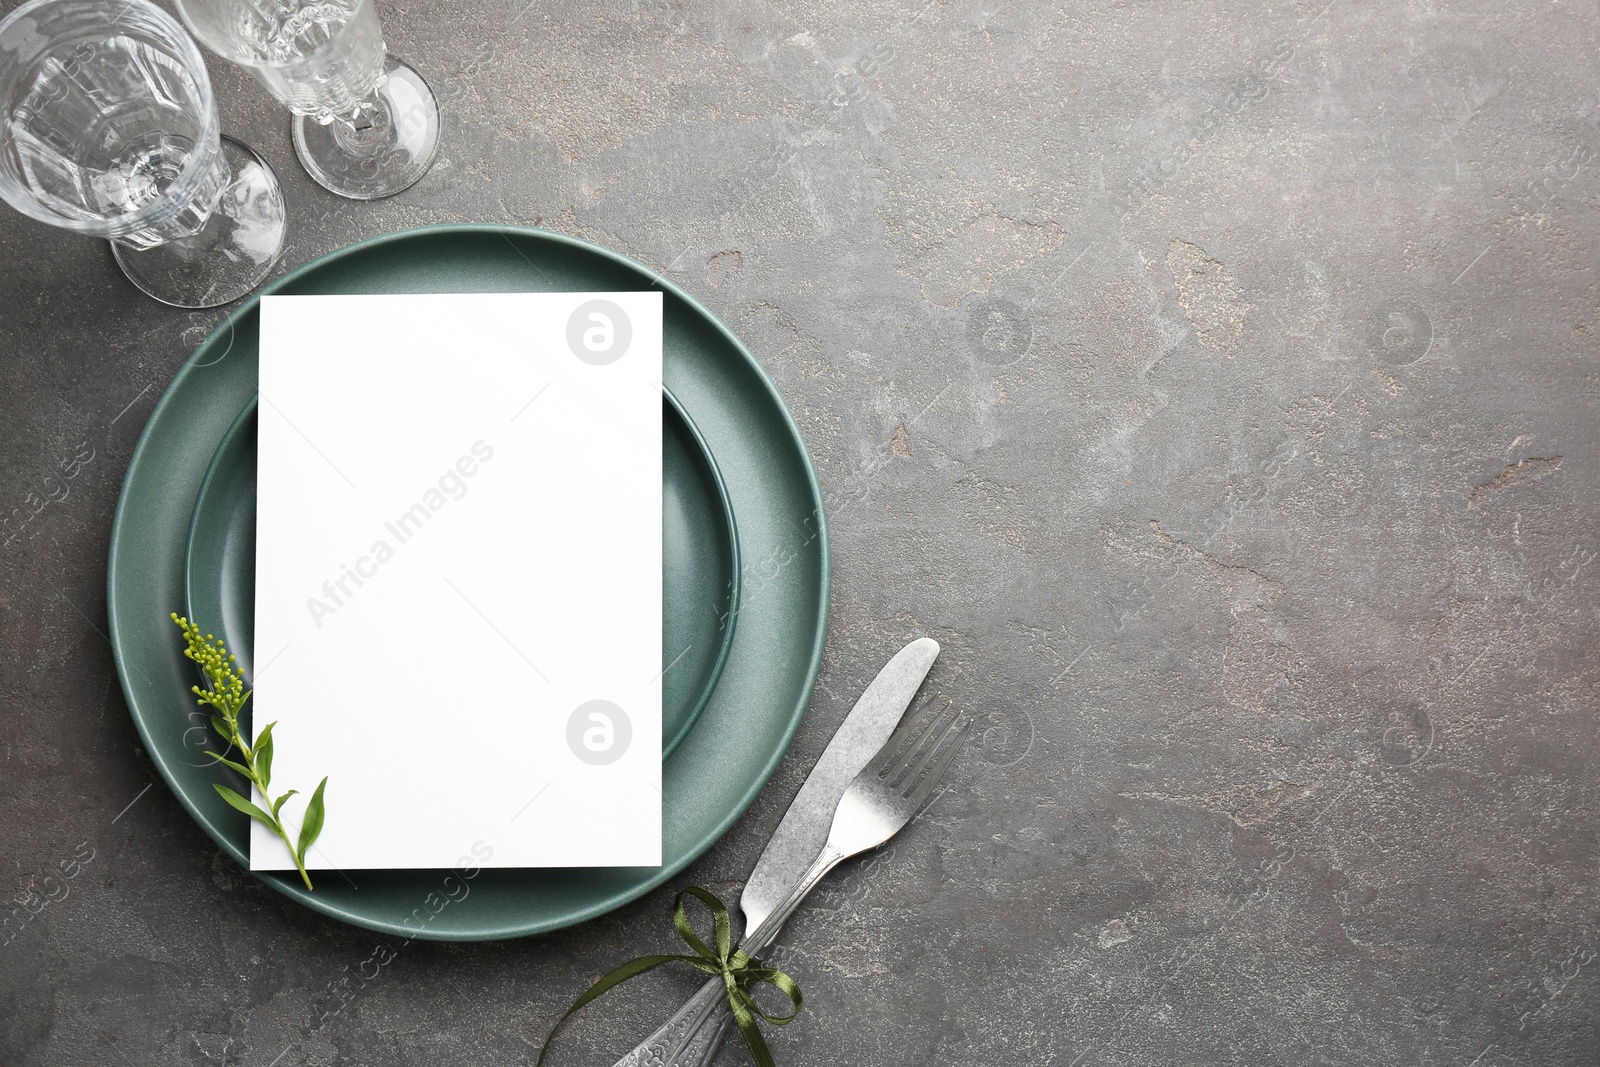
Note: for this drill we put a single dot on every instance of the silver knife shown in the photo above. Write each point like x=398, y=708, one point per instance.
x=799, y=839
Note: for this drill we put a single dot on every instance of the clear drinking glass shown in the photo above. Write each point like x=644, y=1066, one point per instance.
x=366, y=124
x=110, y=129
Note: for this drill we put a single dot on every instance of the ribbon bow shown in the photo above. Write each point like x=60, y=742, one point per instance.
x=738, y=970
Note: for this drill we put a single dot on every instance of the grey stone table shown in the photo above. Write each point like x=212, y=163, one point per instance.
x=1216, y=381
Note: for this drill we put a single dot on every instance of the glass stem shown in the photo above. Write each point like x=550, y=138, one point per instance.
x=366, y=130
x=367, y=115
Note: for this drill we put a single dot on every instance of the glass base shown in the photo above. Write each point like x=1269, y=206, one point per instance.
x=230, y=255
x=385, y=150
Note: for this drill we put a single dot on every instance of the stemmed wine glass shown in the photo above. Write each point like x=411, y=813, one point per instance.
x=366, y=124
x=110, y=129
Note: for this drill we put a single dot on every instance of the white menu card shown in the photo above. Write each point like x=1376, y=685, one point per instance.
x=458, y=577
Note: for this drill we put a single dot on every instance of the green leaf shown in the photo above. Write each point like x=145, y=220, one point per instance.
x=264, y=757
x=277, y=805
x=241, y=768
x=245, y=806
x=220, y=725
x=312, y=825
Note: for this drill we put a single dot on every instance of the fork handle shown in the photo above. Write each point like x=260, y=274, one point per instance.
x=691, y=1037
x=700, y=1045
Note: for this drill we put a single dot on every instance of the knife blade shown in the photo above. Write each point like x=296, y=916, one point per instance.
x=803, y=831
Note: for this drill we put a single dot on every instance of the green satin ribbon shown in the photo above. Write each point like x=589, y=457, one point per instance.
x=739, y=973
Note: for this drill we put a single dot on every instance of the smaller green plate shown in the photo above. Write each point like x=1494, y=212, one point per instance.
x=699, y=562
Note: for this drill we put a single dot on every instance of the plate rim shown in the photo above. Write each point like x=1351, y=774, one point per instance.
x=812, y=666
x=730, y=623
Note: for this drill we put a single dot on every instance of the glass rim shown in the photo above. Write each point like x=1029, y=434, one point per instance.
x=195, y=166
x=233, y=55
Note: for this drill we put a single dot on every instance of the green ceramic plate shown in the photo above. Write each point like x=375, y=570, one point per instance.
x=699, y=563
x=782, y=540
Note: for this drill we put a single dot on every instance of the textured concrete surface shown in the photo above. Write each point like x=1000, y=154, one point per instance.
x=1217, y=381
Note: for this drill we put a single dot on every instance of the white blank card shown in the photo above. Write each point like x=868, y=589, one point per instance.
x=458, y=577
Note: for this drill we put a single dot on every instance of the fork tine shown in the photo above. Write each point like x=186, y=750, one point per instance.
x=917, y=754
x=932, y=743
x=951, y=743
x=885, y=759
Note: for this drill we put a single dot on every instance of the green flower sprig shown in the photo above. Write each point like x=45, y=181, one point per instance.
x=226, y=693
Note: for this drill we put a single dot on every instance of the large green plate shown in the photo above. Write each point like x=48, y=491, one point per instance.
x=699, y=564
x=777, y=646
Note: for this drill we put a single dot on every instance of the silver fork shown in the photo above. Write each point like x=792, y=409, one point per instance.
x=878, y=803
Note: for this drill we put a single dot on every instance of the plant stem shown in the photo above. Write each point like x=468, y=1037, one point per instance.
x=255, y=780
x=225, y=693
x=301, y=867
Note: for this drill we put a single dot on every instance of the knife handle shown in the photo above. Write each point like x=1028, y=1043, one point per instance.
x=701, y=1044
x=669, y=1040
x=691, y=1037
